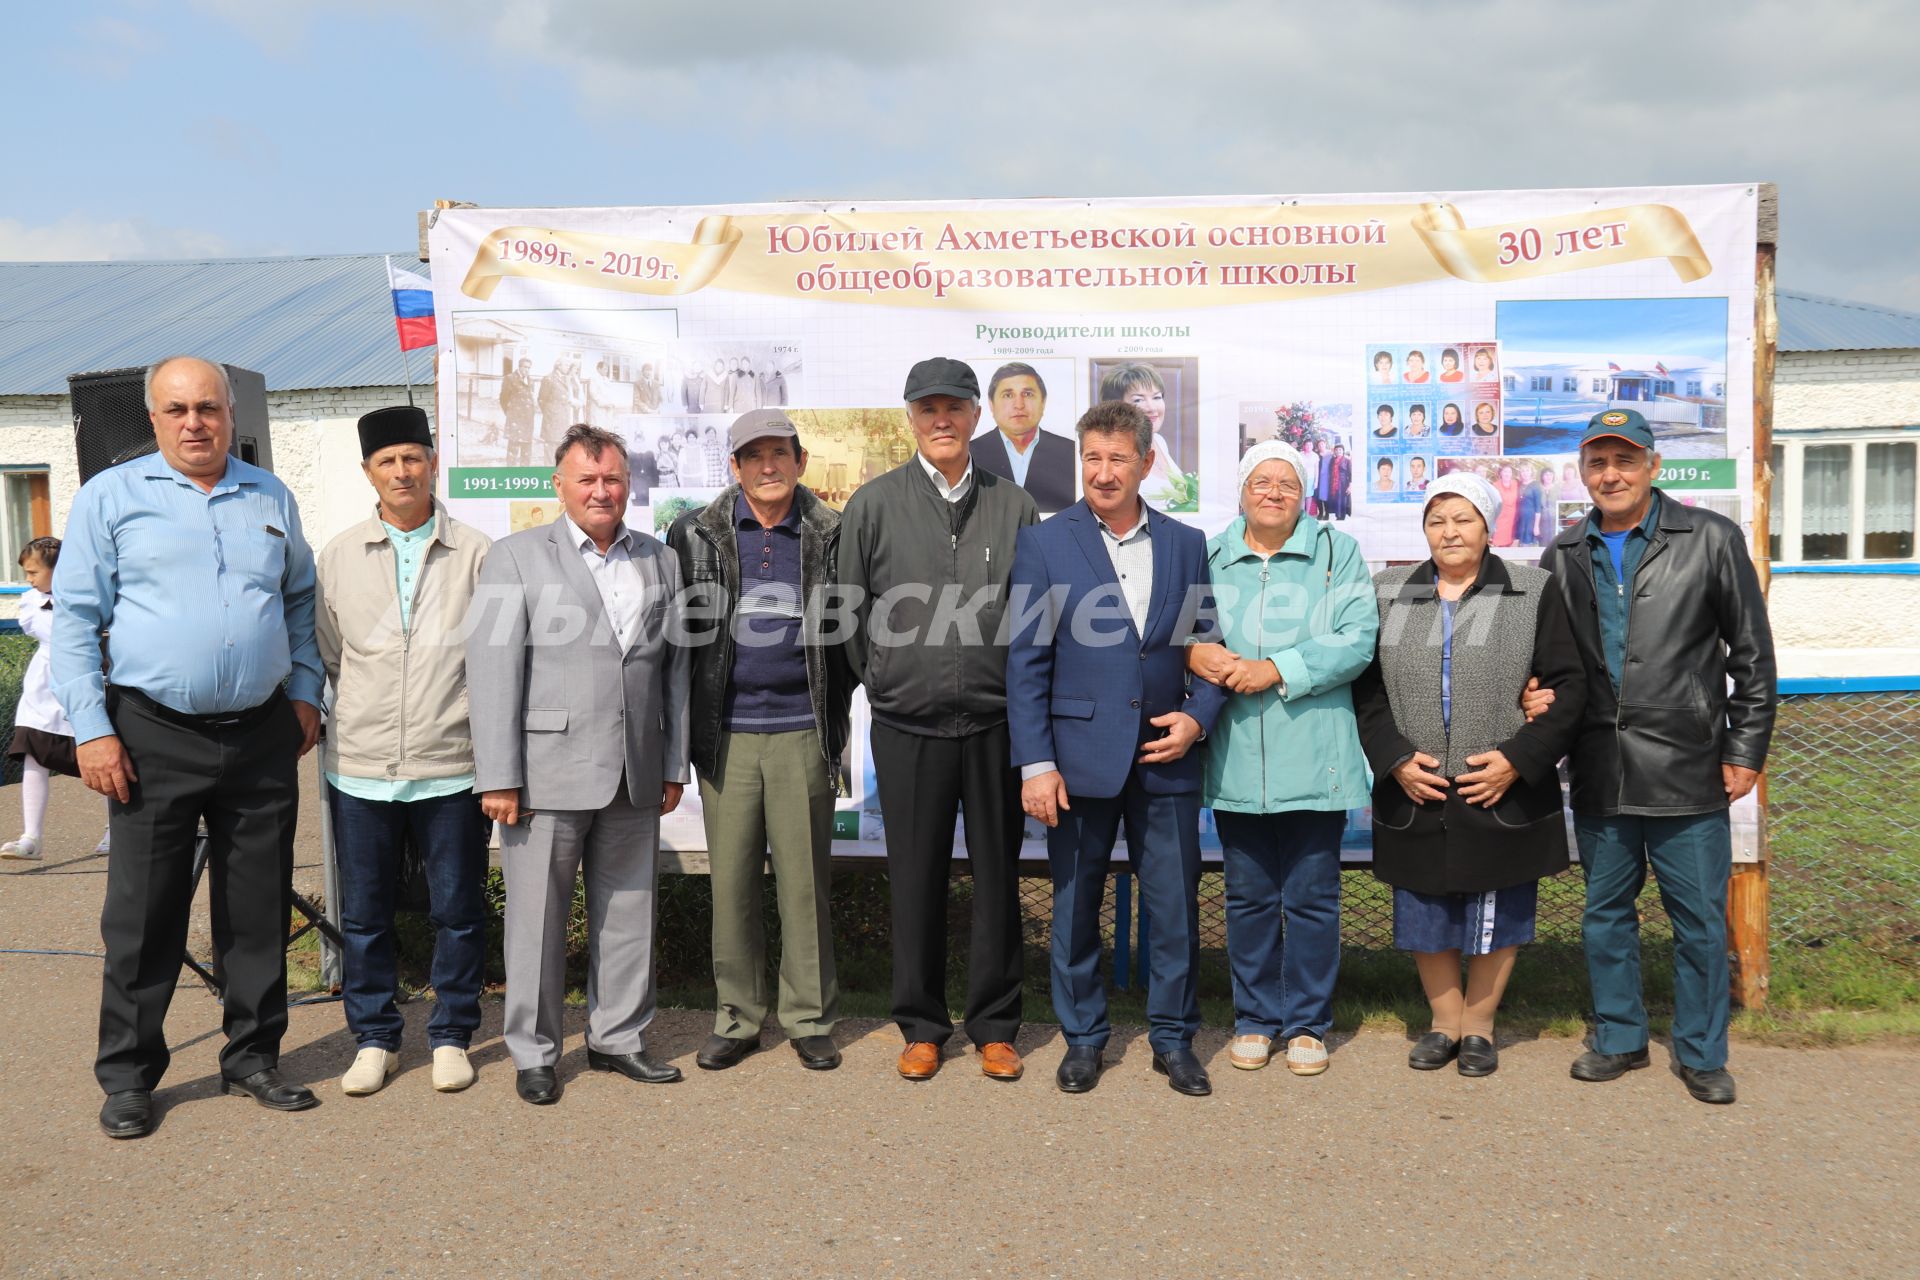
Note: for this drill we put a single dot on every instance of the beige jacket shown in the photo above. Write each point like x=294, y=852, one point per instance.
x=400, y=697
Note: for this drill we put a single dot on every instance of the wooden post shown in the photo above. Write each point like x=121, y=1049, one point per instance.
x=1747, y=891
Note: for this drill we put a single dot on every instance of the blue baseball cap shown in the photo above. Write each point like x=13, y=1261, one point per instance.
x=1623, y=424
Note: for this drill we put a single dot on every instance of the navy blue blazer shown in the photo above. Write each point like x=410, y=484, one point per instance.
x=1082, y=695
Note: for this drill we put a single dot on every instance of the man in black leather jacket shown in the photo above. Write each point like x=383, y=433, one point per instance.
x=1666, y=611
x=770, y=694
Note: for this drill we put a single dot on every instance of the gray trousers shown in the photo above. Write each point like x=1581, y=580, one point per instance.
x=617, y=849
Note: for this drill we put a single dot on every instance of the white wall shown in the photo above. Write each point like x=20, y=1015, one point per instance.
x=316, y=451
x=1846, y=624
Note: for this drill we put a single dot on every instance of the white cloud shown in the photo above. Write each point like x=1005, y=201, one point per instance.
x=77, y=239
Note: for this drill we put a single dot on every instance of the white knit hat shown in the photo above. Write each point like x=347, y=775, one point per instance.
x=1267, y=451
x=1464, y=484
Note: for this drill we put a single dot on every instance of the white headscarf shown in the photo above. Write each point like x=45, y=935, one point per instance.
x=1464, y=484
x=1267, y=451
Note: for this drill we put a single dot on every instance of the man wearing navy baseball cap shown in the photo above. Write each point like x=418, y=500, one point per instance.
x=1672, y=629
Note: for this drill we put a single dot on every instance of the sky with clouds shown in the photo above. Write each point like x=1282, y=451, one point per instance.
x=239, y=127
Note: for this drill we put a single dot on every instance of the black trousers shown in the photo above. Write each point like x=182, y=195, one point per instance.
x=243, y=781
x=924, y=784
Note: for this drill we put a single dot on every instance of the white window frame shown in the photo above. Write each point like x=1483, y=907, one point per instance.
x=11, y=574
x=1793, y=460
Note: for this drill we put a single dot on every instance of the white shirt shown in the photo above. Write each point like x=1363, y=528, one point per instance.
x=1132, y=558
x=951, y=492
x=1018, y=460
x=38, y=708
x=615, y=576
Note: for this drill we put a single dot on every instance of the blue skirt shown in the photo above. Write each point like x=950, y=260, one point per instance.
x=1473, y=924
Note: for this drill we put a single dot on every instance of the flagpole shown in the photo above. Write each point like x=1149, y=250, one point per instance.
x=406, y=365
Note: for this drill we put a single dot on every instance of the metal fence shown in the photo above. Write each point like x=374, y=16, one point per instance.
x=1844, y=823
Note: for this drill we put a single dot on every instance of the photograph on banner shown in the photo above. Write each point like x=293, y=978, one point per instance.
x=669, y=504
x=1530, y=490
x=523, y=514
x=1427, y=400
x=848, y=447
x=677, y=452
x=728, y=377
x=521, y=378
x=1665, y=358
x=1167, y=390
x=1322, y=432
x=1026, y=432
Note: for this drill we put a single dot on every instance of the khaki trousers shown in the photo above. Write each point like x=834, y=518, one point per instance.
x=772, y=796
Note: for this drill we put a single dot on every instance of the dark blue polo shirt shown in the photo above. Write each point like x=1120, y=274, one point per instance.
x=1614, y=592
x=768, y=690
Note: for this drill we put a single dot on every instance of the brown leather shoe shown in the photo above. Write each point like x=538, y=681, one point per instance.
x=1001, y=1061
x=920, y=1060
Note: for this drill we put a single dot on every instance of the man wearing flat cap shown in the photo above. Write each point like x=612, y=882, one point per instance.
x=394, y=591
x=926, y=550
x=1672, y=630
x=770, y=693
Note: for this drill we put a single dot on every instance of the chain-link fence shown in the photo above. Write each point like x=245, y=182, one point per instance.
x=1844, y=823
x=1844, y=844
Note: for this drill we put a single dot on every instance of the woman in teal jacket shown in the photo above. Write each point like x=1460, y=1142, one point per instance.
x=1297, y=617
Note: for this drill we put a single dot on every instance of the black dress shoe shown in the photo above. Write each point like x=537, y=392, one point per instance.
x=634, y=1066
x=1478, y=1057
x=1080, y=1069
x=1596, y=1067
x=1714, y=1086
x=128, y=1114
x=717, y=1054
x=1432, y=1051
x=270, y=1091
x=1184, y=1072
x=538, y=1085
x=817, y=1053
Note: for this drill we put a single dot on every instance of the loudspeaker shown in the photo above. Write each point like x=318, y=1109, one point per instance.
x=111, y=426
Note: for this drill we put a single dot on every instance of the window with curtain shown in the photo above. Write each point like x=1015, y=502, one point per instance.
x=1777, y=504
x=1826, y=501
x=1890, y=498
x=24, y=516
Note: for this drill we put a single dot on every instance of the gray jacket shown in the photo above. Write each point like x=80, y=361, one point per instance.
x=558, y=708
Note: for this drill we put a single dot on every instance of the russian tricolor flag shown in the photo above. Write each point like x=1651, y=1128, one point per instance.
x=412, y=307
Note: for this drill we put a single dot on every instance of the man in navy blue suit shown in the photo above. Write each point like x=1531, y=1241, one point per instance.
x=1106, y=596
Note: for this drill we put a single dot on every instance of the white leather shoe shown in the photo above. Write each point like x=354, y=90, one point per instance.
x=451, y=1070
x=372, y=1068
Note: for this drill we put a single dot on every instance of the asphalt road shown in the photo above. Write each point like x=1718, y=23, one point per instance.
x=1370, y=1169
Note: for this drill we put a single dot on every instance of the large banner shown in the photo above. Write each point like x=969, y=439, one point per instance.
x=1395, y=338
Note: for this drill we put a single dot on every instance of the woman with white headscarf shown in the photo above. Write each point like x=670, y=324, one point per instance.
x=1283, y=764
x=1466, y=798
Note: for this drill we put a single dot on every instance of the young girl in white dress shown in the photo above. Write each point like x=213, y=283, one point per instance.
x=42, y=738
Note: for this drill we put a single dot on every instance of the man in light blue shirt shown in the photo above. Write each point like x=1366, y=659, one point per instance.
x=187, y=572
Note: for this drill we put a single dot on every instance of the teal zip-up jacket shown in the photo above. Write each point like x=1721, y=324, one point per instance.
x=1311, y=611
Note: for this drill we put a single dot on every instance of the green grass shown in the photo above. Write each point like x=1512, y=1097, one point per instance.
x=1845, y=878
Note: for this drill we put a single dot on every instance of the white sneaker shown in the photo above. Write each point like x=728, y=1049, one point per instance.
x=451, y=1070
x=372, y=1068
x=106, y=842
x=25, y=849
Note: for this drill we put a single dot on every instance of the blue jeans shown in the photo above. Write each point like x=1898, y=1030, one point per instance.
x=451, y=834
x=1163, y=842
x=1283, y=919
x=1692, y=856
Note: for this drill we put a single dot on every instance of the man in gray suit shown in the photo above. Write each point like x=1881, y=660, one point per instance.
x=579, y=714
